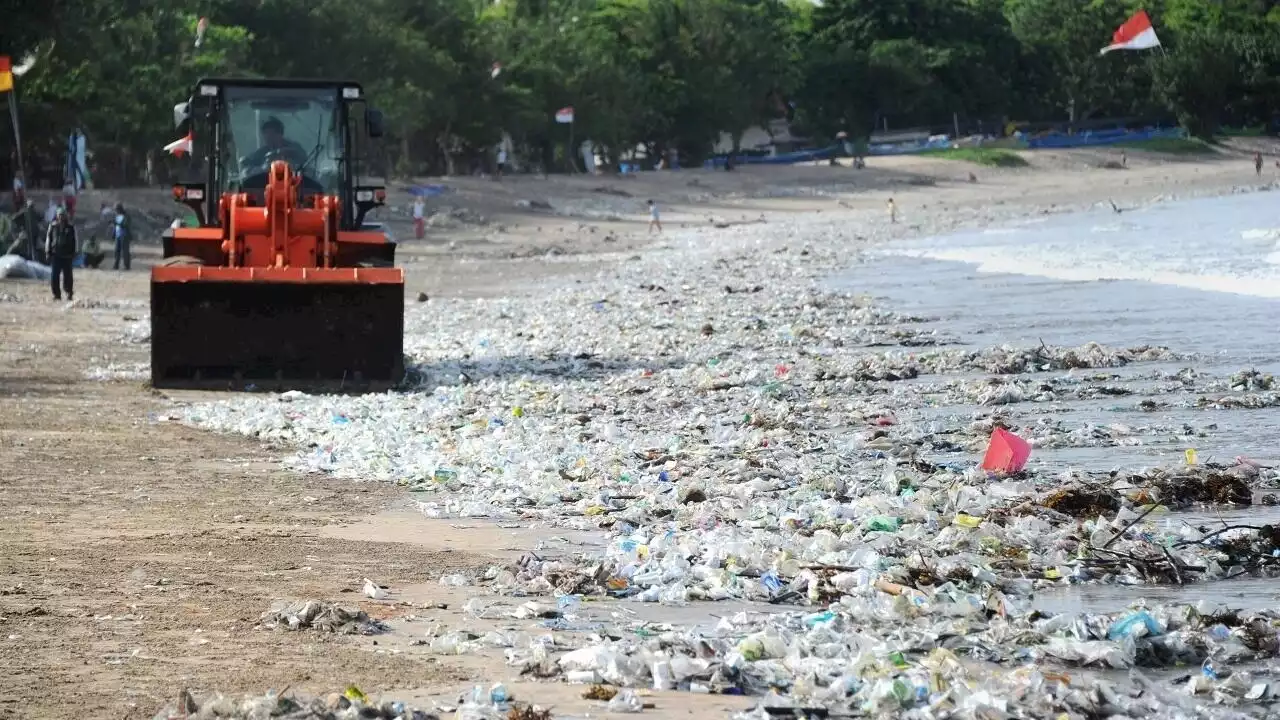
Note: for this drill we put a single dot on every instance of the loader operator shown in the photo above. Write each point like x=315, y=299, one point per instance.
x=275, y=146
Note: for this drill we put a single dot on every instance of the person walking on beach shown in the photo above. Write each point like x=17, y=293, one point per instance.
x=19, y=191
x=419, y=217
x=69, y=197
x=893, y=211
x=1257, y=163
x=120, y=230
x=654, y=221
x=60, y=248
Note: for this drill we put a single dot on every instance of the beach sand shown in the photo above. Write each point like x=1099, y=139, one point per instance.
x=137, y=554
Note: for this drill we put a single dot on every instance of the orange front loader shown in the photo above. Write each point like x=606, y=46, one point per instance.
x=283, y=285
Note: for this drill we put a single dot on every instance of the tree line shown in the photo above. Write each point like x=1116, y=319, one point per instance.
x=452, y=76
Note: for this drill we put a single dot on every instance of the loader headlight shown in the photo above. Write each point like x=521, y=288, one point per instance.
x=364, y=196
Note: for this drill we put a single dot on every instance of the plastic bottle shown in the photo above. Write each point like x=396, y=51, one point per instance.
x=447, y=644
x=625, y=702
x=771, y=581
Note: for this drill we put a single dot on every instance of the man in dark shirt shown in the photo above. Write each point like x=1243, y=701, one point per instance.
x=60, y=248
x=276, y=146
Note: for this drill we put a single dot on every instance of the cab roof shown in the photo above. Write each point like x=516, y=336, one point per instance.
x=278, y=82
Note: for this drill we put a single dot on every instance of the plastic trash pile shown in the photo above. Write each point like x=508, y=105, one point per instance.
x=763, y=445
x=318, y=615
x=350, y=705
x=940, y=653
x=111, y=370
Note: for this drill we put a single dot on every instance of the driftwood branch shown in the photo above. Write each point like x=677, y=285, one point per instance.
x=1133, y=522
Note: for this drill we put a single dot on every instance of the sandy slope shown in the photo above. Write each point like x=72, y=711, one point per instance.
x=137, y=555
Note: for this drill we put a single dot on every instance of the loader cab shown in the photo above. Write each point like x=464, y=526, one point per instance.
x=321, y=128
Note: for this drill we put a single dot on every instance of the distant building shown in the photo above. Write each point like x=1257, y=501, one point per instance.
x=777, y=139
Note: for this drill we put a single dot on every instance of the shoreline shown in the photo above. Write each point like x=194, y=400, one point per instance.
x=588, y=345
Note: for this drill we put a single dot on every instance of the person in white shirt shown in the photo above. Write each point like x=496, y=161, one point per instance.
x=19, y=191
x=654, y=221
x=502, y=161
x=419, y=217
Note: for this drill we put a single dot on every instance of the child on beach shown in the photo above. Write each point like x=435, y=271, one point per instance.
x=419, y=217
x=893, y=211
x=654, y=222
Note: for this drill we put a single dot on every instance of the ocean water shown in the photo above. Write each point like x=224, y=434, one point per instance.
x=1226, y=244
x=1200, y=276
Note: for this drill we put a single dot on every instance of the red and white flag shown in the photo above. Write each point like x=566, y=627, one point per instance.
x=180, y=146
x=564, y=115
x=1135, y=34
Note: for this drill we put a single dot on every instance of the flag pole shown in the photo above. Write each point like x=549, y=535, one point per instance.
x=17, y=131
x=573, y=151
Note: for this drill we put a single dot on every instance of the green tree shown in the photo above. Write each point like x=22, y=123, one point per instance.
x=649, y=74
x=1213, y=76
x=116, y=75
x=1063, y=38
x=915, y=61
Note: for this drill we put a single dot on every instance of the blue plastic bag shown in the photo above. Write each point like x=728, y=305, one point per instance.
x=1129, y=624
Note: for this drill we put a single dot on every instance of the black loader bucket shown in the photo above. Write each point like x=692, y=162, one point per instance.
x=311, y=336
